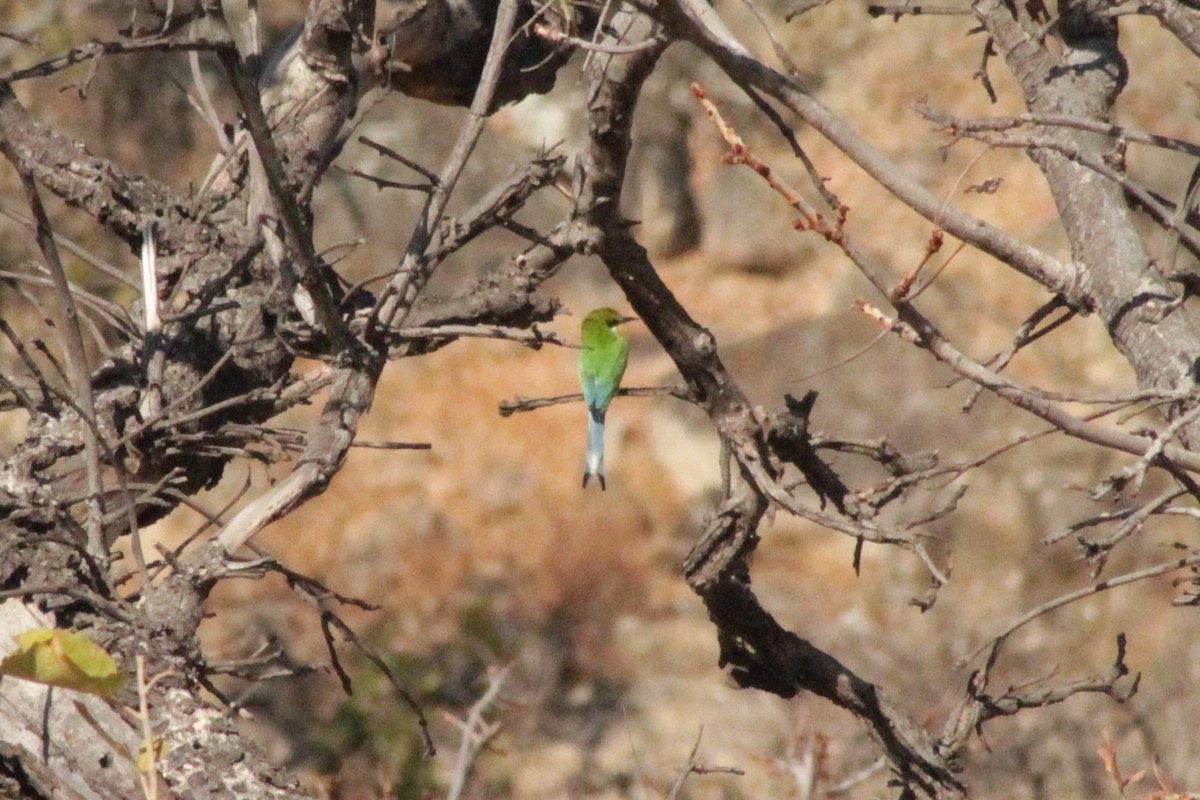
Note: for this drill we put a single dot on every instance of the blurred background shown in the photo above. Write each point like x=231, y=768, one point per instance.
x=484, y=552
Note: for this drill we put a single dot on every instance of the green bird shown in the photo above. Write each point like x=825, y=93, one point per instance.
x=601, y=365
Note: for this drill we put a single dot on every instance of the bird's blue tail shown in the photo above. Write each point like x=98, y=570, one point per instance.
x=594, y=462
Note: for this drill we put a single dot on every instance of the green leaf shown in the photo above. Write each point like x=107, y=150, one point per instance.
x=64, y=658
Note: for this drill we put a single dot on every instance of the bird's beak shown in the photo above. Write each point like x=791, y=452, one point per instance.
x=623, y=320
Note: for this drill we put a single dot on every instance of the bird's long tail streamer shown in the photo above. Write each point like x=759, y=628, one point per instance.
x=594, y=462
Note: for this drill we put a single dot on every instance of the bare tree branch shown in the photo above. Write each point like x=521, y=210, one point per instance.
x=687, y=20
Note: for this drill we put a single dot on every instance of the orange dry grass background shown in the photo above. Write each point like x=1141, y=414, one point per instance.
x=484, y=551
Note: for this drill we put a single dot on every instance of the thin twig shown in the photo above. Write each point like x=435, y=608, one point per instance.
x=970, y=126
x=694, y=768
x=854, y=779
x=395, y=301
x=935, y=342
x=923, y=10
x=558, y=37
x=295, y=229
x=533, y=338
x=521, y=404
x=47, y=390
x=1161, y=213
x=81, y=379
x=207, y=110
x=476, y=734
x=111, y=313
x=90, y=599
x=687, y=768
x=392, y=445
x=1071, y=597
x=95, y=50
x=383, y=149
x=77, y=250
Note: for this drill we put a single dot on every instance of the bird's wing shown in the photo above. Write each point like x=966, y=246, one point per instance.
x=609, y=368
x=598, y=388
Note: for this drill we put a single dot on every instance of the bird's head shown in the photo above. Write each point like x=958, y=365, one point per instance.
x=604, y=319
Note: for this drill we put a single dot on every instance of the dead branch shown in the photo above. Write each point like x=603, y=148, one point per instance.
x=980, y=706
x=760, y=653
x=476, y=733
x=689, y=20
x=1071, y=597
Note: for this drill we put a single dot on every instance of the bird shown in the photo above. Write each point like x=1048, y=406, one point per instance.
x=601, y=365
